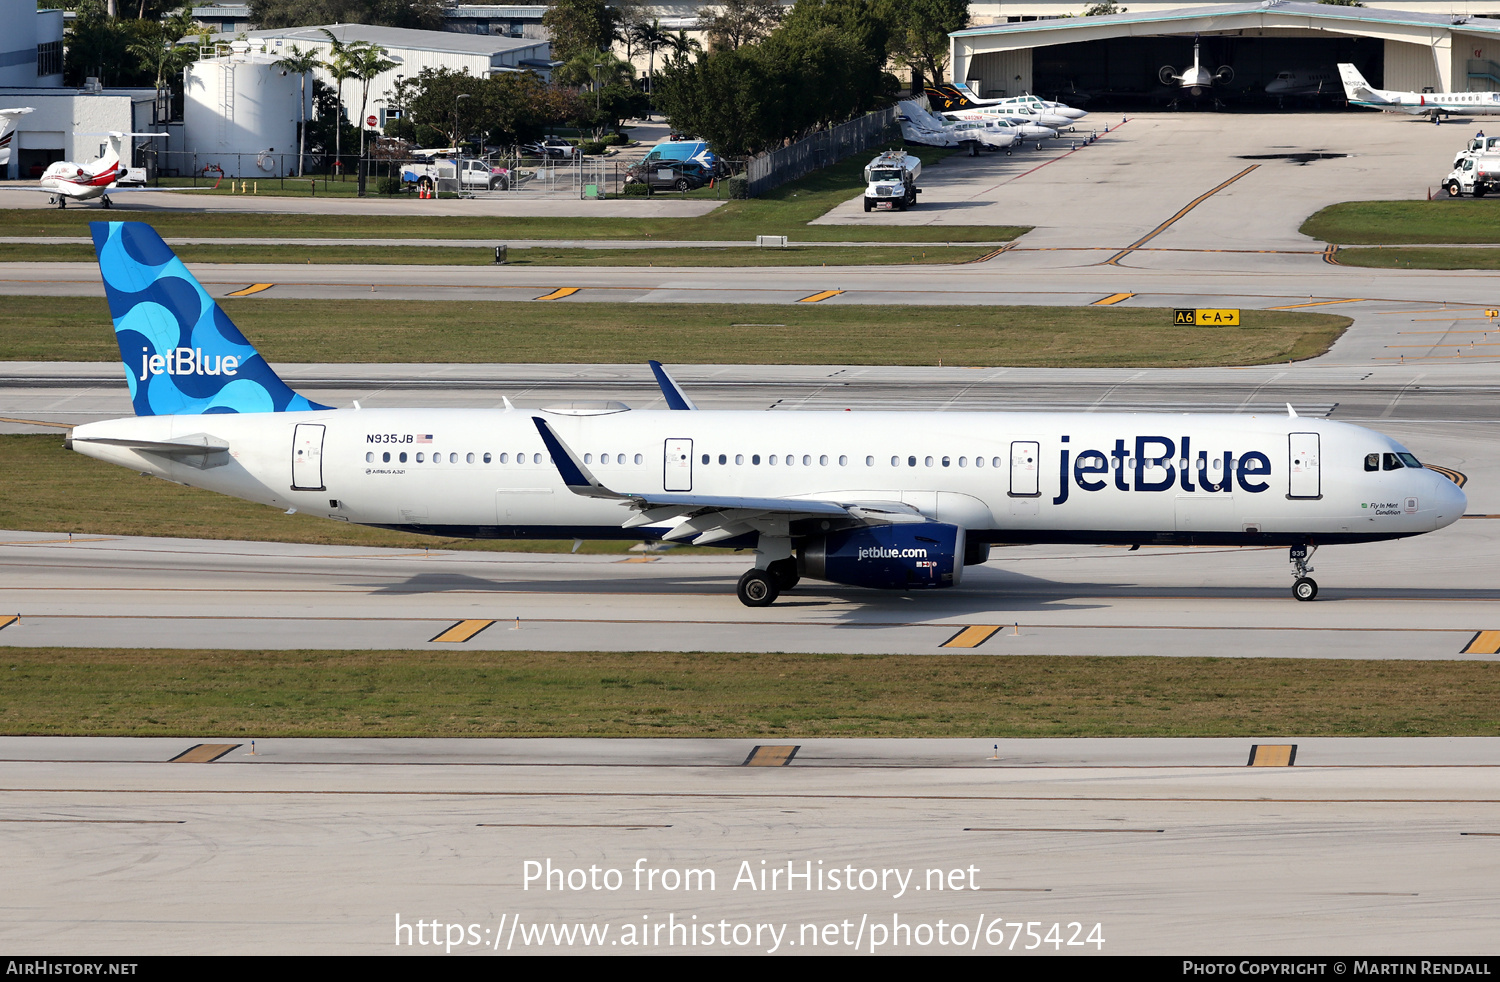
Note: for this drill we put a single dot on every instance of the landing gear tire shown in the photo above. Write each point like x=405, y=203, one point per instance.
x=757, y=588
x=106, y=202
x=1306, y=588
x=784, y=571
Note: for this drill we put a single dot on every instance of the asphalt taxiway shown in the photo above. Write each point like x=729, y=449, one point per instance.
x=193, y=845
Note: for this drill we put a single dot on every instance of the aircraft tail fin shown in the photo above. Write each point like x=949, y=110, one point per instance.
x=8, y=119
x=1356, y=89
x=182, y=354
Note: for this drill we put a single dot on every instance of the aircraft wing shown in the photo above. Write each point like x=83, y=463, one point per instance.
x=714, y=518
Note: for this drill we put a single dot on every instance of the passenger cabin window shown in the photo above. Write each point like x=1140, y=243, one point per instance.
x=1372, y=461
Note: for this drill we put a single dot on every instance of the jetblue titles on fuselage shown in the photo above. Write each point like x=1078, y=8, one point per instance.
x=1155, y=464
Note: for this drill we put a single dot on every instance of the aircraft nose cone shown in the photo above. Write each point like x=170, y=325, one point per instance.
x=1451, y=501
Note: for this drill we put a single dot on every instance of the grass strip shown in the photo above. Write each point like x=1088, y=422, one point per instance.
x=48, y=489
x=484, y=255
x=200, y=694
x=1418, y=258
x=509, y=332
x=1400, y=222
x=787, y=210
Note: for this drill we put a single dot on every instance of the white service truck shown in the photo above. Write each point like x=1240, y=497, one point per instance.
x=1473, y=173
x=478, y=175
x=891, y=181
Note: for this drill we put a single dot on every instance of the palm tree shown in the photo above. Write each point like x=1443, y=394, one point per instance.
x=158, y=47
x=342, y=69
x=367, y=61
x=303, y=63
x=653, y=39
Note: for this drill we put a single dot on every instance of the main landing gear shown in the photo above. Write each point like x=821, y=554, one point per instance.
x=104, y=200
x=761, y=587
x=1304, y=587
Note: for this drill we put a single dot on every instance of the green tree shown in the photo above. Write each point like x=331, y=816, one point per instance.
x=435, y=104
x=366, y=61
x=97, y=46
x=158, y=50
x=611, y=95
x=340, y=65
x=421, y=14
x=920, y=30
x=580, y=27
x=302, y=63
x=1104, y=8
x=740, y=22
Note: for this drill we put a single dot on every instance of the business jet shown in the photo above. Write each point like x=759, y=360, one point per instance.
x=68, y=181
x=1302, y=81
x=1434, y=104
x=957, y=95
x=1197, y=79
x=895, y=500
x=8, y=119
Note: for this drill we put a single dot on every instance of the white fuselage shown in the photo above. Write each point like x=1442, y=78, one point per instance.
x=1023, y=477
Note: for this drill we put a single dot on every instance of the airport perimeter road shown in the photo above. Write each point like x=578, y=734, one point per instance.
x=1148, y=846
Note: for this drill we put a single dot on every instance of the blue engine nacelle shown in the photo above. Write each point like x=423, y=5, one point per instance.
x=915, y=556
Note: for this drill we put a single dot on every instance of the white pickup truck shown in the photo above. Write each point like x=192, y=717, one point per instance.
x=891, y=181
x=1473, y=173
x=443, y=175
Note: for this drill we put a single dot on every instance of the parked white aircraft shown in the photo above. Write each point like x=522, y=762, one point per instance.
x=920, y=126
x=873, y=499
x=958, y=95
x=66, y=180
x=1433, y=104
x=1198, y=78
x=8, y=119
x=1303, y=81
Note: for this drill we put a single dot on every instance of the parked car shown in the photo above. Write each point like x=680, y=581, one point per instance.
x=669, y=175
x=554, y=146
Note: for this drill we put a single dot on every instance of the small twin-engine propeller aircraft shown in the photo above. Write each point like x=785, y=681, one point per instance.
x=894, y=500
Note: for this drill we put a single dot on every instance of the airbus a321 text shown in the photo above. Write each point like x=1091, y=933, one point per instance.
x=873, y=499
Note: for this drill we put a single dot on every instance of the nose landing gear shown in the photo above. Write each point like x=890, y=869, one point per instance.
x=1304, y=587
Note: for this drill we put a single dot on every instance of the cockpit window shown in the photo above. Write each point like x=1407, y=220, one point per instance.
x=1393, y=462
x=1372, y=461
x=1409, y=460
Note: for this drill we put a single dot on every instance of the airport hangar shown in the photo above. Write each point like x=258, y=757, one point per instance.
x=1117, y=57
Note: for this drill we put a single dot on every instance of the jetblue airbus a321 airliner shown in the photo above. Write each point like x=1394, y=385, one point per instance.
x=889, y=499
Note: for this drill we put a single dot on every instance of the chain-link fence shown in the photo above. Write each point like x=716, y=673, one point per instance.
x=487, y=177
x=820, y=150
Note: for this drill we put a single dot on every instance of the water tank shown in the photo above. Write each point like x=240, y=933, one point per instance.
x=240, y=114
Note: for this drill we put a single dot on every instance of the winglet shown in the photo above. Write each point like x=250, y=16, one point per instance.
x=1291, y=413
x=574, y=475
x=676, y=398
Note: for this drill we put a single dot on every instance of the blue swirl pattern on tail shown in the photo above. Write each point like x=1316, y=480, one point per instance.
x=182, y=355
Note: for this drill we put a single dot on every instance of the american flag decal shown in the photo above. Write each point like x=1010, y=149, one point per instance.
x=424, y=437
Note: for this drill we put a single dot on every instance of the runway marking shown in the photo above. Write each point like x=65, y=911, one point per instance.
x=1318, y=303
x=1457, y=477
x=770, y=756
x=1483, y=643
x=641, y=559
x=1115, y=259
x=977, y=829
x=560, y=292
x=1479, y=833
x=971, y=637
x=251, y=290
x=819, y=297
x=36, y=422
x=204, y=753
x=462, y=631
x=989, y=255
x=1272, y=755
x=1112, y=299
x=6, y=620
x=553, y=825
x=1331, y=255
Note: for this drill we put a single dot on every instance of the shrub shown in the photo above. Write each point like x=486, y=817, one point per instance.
x=636, y=190
x=591, y=148
x=739, y=187
x=390, y=184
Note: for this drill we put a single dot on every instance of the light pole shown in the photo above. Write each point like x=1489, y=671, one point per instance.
x=597, y=128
